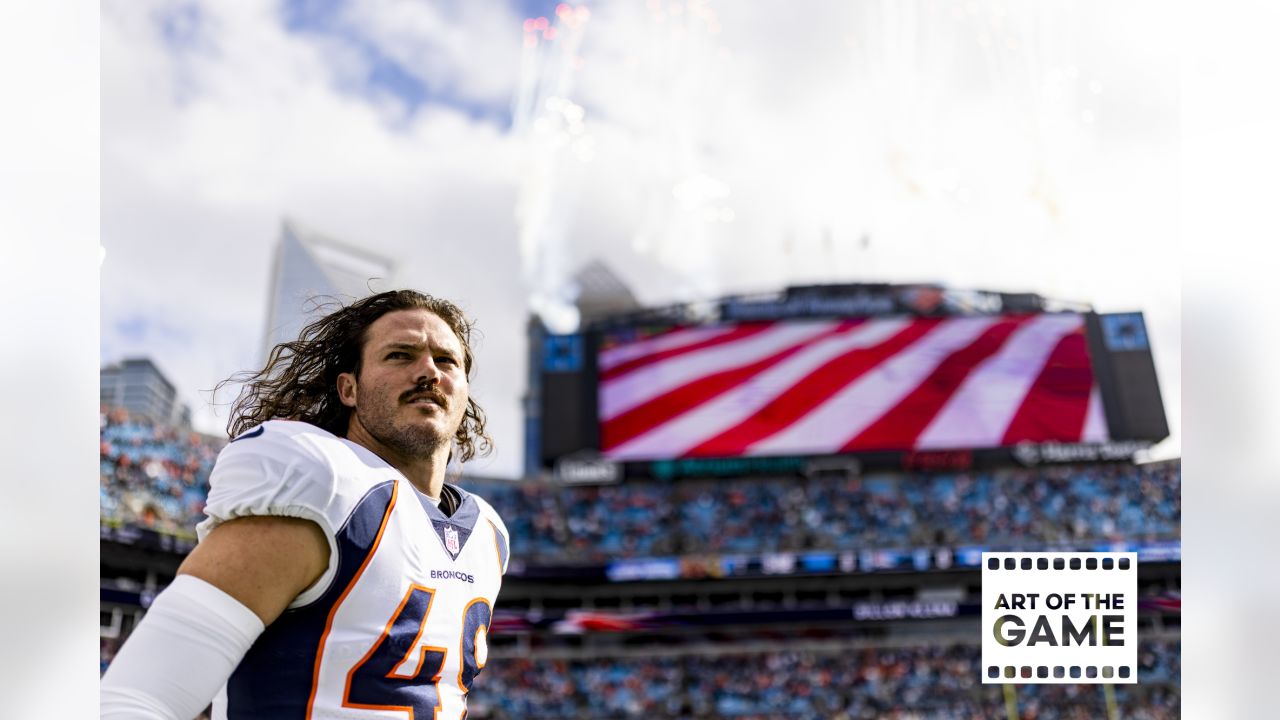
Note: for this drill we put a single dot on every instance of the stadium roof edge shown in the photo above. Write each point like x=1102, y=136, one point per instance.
x=959, y=301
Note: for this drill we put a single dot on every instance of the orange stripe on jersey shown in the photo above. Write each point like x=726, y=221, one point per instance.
x=328, y=624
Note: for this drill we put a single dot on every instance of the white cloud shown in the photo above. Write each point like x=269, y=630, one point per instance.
x=820, y=131
x=469, y=50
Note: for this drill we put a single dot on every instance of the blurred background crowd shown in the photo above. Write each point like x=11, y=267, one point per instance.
x=157, y=477
x=933, y=681
x=152, y=476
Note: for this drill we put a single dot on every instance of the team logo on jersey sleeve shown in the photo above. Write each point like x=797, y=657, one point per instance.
x=452, y=537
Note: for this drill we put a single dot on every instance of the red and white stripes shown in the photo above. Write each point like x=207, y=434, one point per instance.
x=818, y=387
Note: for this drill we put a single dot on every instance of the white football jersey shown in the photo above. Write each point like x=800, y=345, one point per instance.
x=396, y=627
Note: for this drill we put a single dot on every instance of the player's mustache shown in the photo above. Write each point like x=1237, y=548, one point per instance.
x=420, y=392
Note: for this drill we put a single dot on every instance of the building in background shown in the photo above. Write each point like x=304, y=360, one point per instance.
x=602, y=293
x=138, y=386
x=310, y=266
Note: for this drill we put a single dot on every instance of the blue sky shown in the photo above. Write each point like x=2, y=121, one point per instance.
x=384, y=73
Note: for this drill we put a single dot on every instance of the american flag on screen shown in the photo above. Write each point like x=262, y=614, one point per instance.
x=832, y=386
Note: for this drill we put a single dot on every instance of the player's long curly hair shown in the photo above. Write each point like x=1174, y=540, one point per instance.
x=300, y=380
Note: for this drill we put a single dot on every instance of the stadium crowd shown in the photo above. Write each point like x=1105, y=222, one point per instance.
x=1044, y=507
x=921, y=682
x=152, y=476
x=926, y=682
x=156, y=477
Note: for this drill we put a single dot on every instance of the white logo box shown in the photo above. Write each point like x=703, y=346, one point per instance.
x=1062, y=637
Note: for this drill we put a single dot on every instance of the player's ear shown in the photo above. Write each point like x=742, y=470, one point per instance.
x=347, y=389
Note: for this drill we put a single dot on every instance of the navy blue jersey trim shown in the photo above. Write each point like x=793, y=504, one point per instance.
x=273, y=681
x=464, y=517
x=503, y=548
x=251, y=434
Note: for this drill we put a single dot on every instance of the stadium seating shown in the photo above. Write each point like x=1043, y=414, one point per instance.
x=157, y=478
x=152, y=476
x=1015, y=508
x=924, y=682
x=927, y=681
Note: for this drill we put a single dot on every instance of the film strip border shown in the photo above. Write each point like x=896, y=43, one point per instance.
x=1075, y=563
x=1059, y=671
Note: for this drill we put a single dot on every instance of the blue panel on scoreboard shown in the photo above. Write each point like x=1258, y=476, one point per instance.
x=562, y=353
x=1124, y=331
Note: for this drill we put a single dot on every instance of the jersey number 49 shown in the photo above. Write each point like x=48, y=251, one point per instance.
x=386, y=672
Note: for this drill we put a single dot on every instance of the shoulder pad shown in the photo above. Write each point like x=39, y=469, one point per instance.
x=278, y=468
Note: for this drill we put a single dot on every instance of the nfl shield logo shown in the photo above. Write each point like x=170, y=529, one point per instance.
x=451, y=540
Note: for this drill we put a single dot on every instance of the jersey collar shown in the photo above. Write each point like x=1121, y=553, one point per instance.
x=465, y=516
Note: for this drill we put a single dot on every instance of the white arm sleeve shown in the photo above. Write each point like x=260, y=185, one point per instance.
x=180, y=655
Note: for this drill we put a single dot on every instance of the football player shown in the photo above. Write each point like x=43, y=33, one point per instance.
x=337, y=573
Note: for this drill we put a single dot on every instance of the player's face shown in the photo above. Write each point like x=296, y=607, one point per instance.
x=411, y=391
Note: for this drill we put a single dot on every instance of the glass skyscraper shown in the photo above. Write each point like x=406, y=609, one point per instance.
x=310, y=270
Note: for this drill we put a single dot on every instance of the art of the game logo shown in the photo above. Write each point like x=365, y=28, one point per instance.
x=1059, y=617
